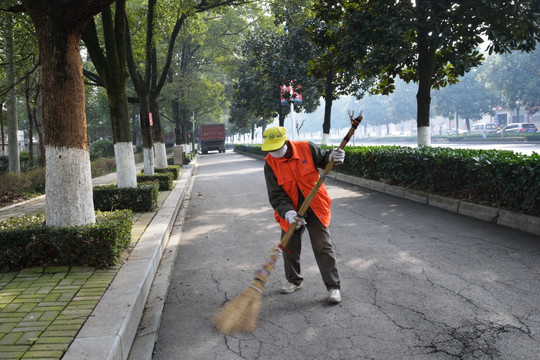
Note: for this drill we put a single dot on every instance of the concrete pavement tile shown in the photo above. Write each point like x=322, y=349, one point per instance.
x=11, y=317
x=39, y=354
x=52, y=297
x=31, y=271
x=11, y=338
x=28, y=338
x=66, y=297
x=29, y=298
x=56, y=270
x=11, y=353
x=49, y=347
x=4, y=300
x=49, y=308
x=31, y=326
x=46, y=338
x=32, y=316
x=26, y=307
x=49, y=315
x=45, y=289
x=11, y=307
x=64, y=333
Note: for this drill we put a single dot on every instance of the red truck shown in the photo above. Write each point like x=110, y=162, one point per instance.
x=212, y=137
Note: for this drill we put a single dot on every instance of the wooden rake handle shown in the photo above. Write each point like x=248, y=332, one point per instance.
x=309, y=198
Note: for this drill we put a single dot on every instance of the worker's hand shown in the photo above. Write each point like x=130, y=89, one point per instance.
x=338, y=155
x=292, y=217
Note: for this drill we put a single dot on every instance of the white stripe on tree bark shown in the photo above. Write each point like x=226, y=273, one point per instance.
x=161, y=155
x=68, y=186
x=125, y=165
x=148, y=154
x=324, y=140
x=424, y=135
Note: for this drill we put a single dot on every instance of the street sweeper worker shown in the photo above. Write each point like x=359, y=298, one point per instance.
x=291, y=172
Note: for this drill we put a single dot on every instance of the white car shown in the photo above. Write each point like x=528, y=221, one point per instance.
x=484, y=128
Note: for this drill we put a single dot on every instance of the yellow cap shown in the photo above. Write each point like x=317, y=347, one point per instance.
x=274, y=138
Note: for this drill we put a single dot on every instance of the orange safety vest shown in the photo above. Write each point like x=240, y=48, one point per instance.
x=299, y=172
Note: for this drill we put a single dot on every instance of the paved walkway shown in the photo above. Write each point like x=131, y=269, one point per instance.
x=42, y=310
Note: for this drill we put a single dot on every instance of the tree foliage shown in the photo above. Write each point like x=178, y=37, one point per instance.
x=428, y=42
x=516, y=77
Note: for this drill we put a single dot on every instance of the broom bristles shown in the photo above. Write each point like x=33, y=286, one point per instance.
x=240, y=315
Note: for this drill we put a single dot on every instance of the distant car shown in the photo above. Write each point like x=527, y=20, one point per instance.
x=484, y=128
x=453, y=132
x=519, y=128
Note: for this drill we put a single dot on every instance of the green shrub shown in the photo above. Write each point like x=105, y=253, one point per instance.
x=27, y=241
x=173, y=169
x=492, y=177
x=30, y=182
x=24, y=162
x=142, y=198
x=165, y=180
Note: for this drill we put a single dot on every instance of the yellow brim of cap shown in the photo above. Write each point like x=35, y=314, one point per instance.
x=273, y=146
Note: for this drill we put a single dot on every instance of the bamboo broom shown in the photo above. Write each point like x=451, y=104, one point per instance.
x=240, y=315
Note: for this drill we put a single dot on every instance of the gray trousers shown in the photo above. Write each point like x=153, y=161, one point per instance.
x=323, y=249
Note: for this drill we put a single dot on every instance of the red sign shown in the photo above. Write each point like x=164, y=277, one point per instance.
x=293, y=97
x=150, y=119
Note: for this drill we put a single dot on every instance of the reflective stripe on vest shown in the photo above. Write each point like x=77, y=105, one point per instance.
x=299, y=172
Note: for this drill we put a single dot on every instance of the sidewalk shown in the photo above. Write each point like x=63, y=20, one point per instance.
x=80, y=311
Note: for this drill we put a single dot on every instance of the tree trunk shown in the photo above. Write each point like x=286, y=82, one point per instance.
x=13, y=126
x=2, y=127
x=328, y=99
x=148, y=144
x=175, y=112
x=30, y=114
x=426, y=56
x=457, y=123
x=157, y=135
x=68, y=190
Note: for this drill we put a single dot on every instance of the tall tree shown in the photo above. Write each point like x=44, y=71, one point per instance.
x=59, y=25
x=112, y=69
x=431, y=43
x=516, y=77
x=149, y=81
x=468, y=99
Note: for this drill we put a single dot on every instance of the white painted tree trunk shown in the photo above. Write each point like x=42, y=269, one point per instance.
x=161, y=155
x=325, y=138
x=148, y=154
x=125, y=165
x=68, y=182
x=424, y=135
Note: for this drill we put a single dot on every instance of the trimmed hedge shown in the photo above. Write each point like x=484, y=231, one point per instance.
x=173, y=169
x=496, y=178
x=27, y=241
x=165, y=180
x=143, y=198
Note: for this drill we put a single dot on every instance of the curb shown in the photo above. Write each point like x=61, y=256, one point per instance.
x=147, y=332
x=109, y=332
x=526, y=223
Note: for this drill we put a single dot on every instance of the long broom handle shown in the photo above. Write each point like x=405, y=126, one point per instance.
x=309, y=198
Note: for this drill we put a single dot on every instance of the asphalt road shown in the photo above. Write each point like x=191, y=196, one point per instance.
x=417, y=282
